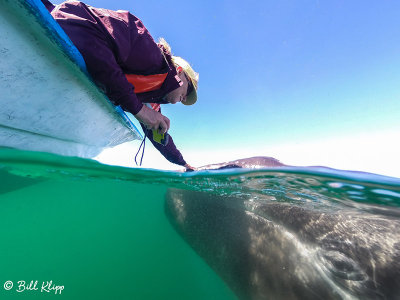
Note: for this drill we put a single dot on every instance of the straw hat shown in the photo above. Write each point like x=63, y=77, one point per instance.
x=191, y=75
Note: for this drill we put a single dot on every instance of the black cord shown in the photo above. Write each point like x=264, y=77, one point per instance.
x=144, y=146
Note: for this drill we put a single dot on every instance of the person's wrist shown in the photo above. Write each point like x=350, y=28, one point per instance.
x=138, y=109
x=141, y=112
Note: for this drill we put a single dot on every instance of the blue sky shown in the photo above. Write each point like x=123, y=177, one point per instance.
x=289, y=79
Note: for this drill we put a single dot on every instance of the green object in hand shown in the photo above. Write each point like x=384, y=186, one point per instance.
x=160, y=138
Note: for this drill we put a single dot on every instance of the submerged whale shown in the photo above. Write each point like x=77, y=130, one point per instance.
x=278, y=250
x=282, y=251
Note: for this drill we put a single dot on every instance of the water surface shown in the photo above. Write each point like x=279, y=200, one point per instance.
x=106, y=232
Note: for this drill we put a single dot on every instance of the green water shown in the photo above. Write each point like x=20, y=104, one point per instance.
x=100, y=238
x=101, y=232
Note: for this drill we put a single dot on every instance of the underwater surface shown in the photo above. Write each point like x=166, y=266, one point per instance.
x=104, y=232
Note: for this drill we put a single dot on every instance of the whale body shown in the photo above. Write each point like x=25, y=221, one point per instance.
x=248, y=163
x=268, y=249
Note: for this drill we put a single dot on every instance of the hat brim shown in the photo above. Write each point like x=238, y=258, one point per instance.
x=191, y=98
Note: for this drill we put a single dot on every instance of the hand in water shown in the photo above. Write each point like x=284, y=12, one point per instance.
x=189, y=168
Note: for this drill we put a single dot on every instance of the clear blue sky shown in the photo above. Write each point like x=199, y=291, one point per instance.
x=276, y=73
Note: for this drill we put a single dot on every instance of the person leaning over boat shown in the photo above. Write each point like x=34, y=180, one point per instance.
x=129, y=66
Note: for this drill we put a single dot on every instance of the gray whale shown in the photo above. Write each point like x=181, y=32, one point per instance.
x=249, y=163
x=277, y=250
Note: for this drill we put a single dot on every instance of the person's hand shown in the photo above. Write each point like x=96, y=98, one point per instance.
x=189, y=168
x=153, y=119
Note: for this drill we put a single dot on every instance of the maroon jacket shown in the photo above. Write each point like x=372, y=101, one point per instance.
x=115, y=43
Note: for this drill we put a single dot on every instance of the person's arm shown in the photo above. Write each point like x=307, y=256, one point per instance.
x=108, y=75
x=110, y=42
x=105, y=71
x=48, y=5
x=170, y=152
